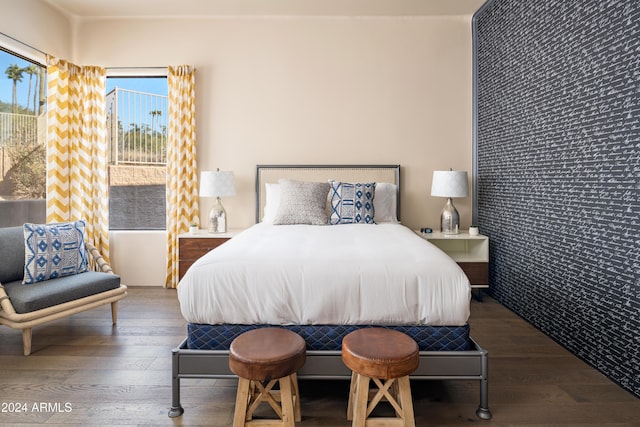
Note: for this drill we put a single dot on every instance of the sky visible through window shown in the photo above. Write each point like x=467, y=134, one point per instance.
x=6, y=84
x=153, y=85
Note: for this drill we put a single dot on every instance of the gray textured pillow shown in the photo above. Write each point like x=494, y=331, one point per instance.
x=302, y=203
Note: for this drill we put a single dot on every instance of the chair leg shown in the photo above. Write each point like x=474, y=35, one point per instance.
x=114, y=312
x=26, y=341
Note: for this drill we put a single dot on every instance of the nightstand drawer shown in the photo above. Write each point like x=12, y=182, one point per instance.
x=183, y=266
x=477, y=272
x=193, y=246
x=196, y=247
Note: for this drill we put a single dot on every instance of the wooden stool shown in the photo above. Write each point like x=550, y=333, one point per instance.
x=380, y=354
x=261, y=358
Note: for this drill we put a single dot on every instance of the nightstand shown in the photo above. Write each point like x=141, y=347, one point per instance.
x=193, y=246
x=470, y=252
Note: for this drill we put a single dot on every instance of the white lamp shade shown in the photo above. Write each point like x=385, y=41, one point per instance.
x=217, y=184
x=450, y=184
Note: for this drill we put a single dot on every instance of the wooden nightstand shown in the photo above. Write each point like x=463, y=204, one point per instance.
x=193, y=246
x=470, y=252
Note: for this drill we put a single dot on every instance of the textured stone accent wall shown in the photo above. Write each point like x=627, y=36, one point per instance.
x=137, y=199
x=122, y=175
x=558, y=167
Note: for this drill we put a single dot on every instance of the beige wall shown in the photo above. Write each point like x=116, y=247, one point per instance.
x=37, y=24
x=313, y=90
x=307, y=90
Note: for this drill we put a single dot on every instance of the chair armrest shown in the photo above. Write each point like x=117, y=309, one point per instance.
x=5, y=302
x=98, y=260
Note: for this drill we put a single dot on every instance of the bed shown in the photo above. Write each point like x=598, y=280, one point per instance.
x=323, y=281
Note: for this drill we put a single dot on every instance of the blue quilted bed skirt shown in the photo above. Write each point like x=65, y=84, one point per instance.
x=329, y=337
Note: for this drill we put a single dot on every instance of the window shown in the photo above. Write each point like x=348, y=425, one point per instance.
x=22, y=139
x=137, y=133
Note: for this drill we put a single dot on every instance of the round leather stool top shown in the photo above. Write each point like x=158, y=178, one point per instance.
x=380, y=353
x=264, y=354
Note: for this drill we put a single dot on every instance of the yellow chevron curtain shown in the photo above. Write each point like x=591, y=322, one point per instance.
x=77, y=186
x=182, y=173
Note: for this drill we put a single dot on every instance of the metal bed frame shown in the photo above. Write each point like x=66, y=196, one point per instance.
x=471, y=364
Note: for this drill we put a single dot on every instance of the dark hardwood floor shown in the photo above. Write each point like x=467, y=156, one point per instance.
x=84, y=372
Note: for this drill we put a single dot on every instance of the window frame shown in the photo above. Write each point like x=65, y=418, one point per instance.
x=135, y=72
x=17, y=212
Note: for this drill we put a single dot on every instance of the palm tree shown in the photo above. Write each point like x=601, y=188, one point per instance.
x=14, y=73
x=155, y=115
x=31, y=70
x=42, y=90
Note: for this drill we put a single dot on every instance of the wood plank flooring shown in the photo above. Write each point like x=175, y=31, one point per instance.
x=84, y=372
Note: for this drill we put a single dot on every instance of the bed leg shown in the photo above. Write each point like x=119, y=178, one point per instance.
x=483, y=411
x=176, y=409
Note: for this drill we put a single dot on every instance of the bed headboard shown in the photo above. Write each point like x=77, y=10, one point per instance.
x=323, y=173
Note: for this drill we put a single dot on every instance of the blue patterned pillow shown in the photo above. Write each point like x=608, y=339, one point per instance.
x=352, y=203
x=54, y=250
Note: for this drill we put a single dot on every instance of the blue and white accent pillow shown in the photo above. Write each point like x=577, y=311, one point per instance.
x=352, y=203
x=54, y=250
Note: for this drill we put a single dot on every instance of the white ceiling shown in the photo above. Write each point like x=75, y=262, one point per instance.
x=194, y=8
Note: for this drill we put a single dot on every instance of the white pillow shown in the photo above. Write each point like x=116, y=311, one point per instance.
x=272, y=202
x=385, y=203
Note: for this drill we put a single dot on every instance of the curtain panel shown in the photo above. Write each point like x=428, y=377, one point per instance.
x=182, y=173
x=77, y=150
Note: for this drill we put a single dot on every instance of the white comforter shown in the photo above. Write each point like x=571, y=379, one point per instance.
x=340, y=274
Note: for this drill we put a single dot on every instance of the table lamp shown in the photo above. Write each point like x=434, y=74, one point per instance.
x=450, y=184
x=217, y=184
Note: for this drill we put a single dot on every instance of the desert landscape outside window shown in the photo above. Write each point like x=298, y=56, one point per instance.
x=22, y=139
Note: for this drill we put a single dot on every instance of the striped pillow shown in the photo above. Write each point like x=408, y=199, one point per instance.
x=352, y=203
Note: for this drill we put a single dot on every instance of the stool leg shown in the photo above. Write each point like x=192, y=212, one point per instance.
x=406, y=402
x=253, y=394
x=296, y=396
x=360, y=402
x=242, y=400
x=352, y=395
x=286, y=400
x=395, y=392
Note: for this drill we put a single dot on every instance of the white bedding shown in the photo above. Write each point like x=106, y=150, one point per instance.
x=340, y=274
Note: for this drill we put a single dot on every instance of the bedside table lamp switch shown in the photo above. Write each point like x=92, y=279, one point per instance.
x=450, y=184
x=217, y=184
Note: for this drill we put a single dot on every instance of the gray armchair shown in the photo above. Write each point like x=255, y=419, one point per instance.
x=25, y=306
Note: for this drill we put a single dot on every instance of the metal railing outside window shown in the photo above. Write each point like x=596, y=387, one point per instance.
x=15, y=128
x=136, y=127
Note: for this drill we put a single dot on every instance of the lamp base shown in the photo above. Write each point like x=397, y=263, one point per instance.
x=217, y=218
x=449, y=219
